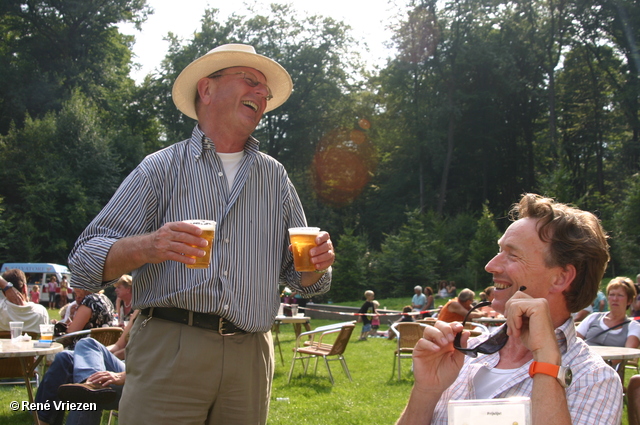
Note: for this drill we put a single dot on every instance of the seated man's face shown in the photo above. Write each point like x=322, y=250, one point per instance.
x=521, y=262
x=467, y=304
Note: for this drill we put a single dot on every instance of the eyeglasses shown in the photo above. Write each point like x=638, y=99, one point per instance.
x=491, y=345
x=249, y=78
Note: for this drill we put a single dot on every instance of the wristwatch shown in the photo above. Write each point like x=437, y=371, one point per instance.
x=7, y=286
x=561, y=373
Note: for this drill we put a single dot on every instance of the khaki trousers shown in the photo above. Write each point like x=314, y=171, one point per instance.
x=179, y=374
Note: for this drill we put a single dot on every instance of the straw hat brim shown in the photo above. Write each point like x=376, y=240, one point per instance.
x=184, y=89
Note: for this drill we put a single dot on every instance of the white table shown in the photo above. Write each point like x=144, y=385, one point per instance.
x=22, y=351
x=490, y=321
x=610, y=354
x=297, y=322
x=615, y=353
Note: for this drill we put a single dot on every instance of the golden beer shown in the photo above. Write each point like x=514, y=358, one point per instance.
x=208, y=233
x=46, y=334
x=302, y=240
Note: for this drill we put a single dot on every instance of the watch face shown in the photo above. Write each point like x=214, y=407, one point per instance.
x=568, y=376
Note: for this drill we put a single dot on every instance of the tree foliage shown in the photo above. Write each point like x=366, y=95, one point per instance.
x=59, y=171
x=351, y=277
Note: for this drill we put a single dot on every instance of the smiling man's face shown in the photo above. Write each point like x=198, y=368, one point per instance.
x=521, y=261
x=235, y=101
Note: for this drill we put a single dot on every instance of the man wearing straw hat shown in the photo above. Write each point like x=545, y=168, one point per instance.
x=201, y=351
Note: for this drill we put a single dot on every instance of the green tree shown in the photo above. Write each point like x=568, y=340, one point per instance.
x=618, y=22
x=59, y=171
x=350, y=271
x=588, y=118
x=52, y=47
x=626, y=243
x=405, y=259
x=483, y=246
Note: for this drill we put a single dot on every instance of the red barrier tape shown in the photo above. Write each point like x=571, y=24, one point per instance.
x=343, y=313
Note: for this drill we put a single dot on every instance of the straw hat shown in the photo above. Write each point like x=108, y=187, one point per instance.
x=226, y=56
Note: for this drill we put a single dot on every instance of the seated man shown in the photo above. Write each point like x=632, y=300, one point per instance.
x=457, y=308
x=14, y=306
x=550, y=263
x=419, y=300
x=91, y=373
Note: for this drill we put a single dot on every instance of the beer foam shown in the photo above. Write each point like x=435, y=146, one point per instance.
x=203, y=224
x=304, y=230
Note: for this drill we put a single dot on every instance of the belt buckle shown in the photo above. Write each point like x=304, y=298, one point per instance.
x=221, y=331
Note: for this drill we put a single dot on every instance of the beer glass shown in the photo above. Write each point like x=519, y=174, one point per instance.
x=46, y=334
x=302, y=240
x=208, y=231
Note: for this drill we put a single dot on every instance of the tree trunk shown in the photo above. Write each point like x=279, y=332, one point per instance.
x=447, y=162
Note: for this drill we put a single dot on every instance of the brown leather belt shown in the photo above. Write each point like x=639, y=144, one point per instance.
x=192, y=318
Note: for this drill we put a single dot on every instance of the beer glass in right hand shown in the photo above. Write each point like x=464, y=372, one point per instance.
x=208, y=228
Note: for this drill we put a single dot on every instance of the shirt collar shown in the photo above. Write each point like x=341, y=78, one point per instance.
x=199, y=142
x=566, y=334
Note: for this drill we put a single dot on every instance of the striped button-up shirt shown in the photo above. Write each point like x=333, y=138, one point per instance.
x=594, y=396
x=250, y=254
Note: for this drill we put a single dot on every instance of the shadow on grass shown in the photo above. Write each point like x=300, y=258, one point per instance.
x=313, y=384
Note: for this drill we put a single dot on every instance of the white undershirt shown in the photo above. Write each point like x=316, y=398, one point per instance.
x=487, y=381
x=231, y=165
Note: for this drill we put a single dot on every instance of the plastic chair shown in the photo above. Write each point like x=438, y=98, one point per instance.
x=316, y=349
x=409, y=333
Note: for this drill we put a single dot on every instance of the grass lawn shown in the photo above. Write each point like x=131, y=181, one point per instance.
x=374, y=396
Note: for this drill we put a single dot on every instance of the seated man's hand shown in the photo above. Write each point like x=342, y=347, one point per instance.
x=107, y=378
x=15, y=297
x=436, y=364
x=530, y=320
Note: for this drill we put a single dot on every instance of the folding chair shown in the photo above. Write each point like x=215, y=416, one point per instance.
x=409, y=333
x=316, y=349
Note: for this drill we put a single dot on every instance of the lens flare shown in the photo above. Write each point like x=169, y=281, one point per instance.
x=343, y=164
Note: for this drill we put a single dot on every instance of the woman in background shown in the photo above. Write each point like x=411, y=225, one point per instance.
x=613, y=328
x=431, y=301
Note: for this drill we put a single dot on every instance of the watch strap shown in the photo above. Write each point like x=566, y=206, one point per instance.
x=542, y=367
x=562, y=374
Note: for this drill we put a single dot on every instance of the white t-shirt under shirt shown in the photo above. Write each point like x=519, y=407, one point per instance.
x=488, y=380
x=231, y=165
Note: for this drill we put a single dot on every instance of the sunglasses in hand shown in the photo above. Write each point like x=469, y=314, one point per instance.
x=491, y=345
